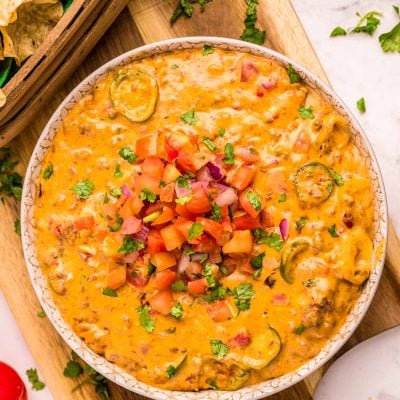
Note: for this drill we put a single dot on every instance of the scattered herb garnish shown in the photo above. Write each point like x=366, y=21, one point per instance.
x=127, y=154
x=179, y=286
x=117, y=171
x=332, y=231
x=306, y=112
x=151, y=269
x=229, y=154
x=294, y=77
x=183, y=181
x=207, y=49
x=33, y=378
x=177, y=311
x=41, y=314
x=256, y=262
x=361, y=105
x=209, y=143
x=83, y=189
x=251, y=33
x=207, y=273
x=219, y=348
x=116, y=192
x=254, y=200
x=282, y=198
x=300, y=223
x=116, y=226
x=17, y=226
x=216, y=294
x=107, y=291
x=147, y=194
x=130, y=245
x=10, y=181
x=189, y=117
x=195, y=230
x=300, y=329
x=170, y=371
x=368, y=22
x=48, y=171
x=338, y=31
x=273, y=240
x=145, y=319
x=73, y=369
x=390, y=41
x=243, y=294
x=221, y=132
x=185, y=7
x=216, y=213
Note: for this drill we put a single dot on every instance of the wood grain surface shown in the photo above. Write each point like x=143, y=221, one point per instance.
x=145, y=21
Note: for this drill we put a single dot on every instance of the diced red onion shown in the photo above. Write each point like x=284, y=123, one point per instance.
x=203, y=184
x=142, y=235
x=267, y=83
x=182, y=192
x=226, y=198
x=204, y=174
x=220, y=187
x=183, y=263
x=215, y=171
x=248, y=70
x=131, y=257
x=126, y=191
x=279, y=298
x=198, y=256
x=284, y=228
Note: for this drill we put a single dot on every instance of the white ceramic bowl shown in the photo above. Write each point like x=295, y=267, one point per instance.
x=113, y=372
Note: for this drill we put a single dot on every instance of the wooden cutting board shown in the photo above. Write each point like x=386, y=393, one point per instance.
x=145, y=21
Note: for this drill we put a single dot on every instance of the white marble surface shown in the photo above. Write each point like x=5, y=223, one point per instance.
x=357, y=67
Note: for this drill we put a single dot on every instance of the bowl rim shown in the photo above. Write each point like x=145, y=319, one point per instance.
x=117, y=374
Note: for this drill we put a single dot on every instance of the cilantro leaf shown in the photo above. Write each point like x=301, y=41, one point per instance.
x=306, y=112
x=145, y=319
x=361, y=105
x=41, y=314
x=183, y=200
x=10, y=181
x=257, y=261
x=229, y=154
x=300, y=223
x=370, y=20
x=243, y=294
x=34, y=379
x=147, y=194
x=208, y=274
x=216, y=213
x=83, y=189
x=170, y=371
x=273, y=240
x=189, y=117
x=195, y=230
x=183, y=181
x=177, y=311
x=332, y=231
x=184, y=7
x=130, y=245
x=300, y=329
x=48, y=171
x=216, y=294
x=179, y=286
x=73, y=369
x=116, y=226
x=251, y=33
x=254, y=200
x=294, y=77
x=116, y=192
x=207, y=49
x=282, y=198
x=390, y=41
x=221, y=132
x=209, y=143
x=107, y=291
x=117, y=172
x=127, y=154
x=338, y=31
x=218, y=348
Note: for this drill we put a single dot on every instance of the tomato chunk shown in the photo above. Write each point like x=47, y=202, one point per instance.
x=171, y=173
x=153, y=166
x=242, y=242
x=131, y=225
x=163, y=260
x=213, y=228
x=246, y=204
x=155, y=243
x=132, y=206
x=200, y=202
x=247, y=154
x=219, y=311
x=146, y=146
x=246, y=222
x=84, y=223
x=137, y=278
x=166, y=216
x=164, y=279
x=197, y=287
x=243, y=177
x=148, y=182
x=172, y=237
x=162, y=302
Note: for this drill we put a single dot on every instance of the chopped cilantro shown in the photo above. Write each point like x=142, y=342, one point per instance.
x=216, y=294
x=243, y=294
x=332, y=231
x=116, y=226
x=390, y=41
x=208, y=274
x=361, y=105
x=257, y=261
x=41, y=314
x=179, y=286
x=306, y=112
x=183, y=200
x=170, y=371
x=147, y=194
x=34, y=379
x=130, y=245
x=107, y=291
x=368, y=22
x=48, y=171
x=294, y=77
x=257, y=273
x=209, y=143
x=117, y=171
x=254, y=200
x=83, y=189
x=224, y=270
x=145, y=319
x=229, y=154
x=251, y=33
x=127, y=154
x=300, y=223
x=221, y=132
x=216, y=213
x=195, y=230
x=273, y=240
x=177, y=311
x=218, y=348
x=106, y=199
x=17, y=226
x=189, y=117
x=183, y=181
x=282, y=198
x=10, y=181
x=338, y=31
x=116, y=192
x=207, y=49
x=151, y=269
x=73, y=369
x=300, y=329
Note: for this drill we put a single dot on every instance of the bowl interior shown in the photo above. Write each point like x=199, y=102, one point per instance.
x=111, y=371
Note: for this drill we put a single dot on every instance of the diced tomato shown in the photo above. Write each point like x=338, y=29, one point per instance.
x=185, y=162
x=172, y=237
x=200, y=202
x=213, y=228
x=155, y=243
x=267, y=219
x=157, y=206
x=248, y=71
x=243, y=177
x=246, y=222
x=111, y=245
x=179, y=140
x=101, y=234
x=183, y=225
x=145, y=181
x=153, y=166
x=241, y=340
x=246, y=268
x=131, y=225
x=162, y=302
x=242, y=242
x=171, y=173
x=171, y=152
x=182, y=210
x=146, y=146
x=219, y=311
x=247, y=206
x=137, y=278
x=116, y=276
x=84, y=223
x=163, y=279
x=121, y=201
x=193, y=269
x=247, y=154
x=166, y=216
x=163, y=260
x=167, y=193
x=198, y=286
x=132, y=206
x=206, y=245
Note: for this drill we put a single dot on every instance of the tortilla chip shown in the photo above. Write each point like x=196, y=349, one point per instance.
x=3, y=98
x=34, y=22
